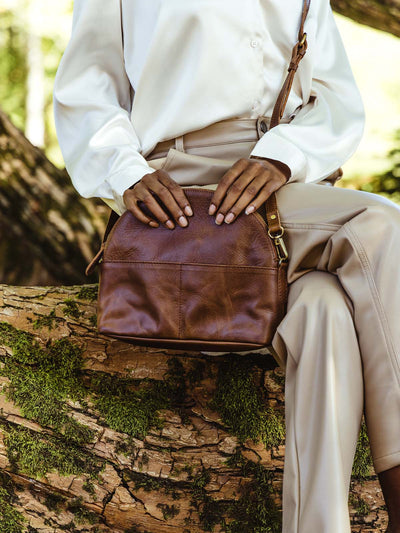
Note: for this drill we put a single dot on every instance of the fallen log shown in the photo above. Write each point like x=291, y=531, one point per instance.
x=103, y=436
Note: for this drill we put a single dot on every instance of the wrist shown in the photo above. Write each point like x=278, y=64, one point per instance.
x=280, y=165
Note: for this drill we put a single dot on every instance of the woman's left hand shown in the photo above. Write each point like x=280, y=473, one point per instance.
x=247, y=185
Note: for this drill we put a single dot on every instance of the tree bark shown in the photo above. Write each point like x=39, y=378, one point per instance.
x=101, y=435
x=379, y=14
x=48, y=232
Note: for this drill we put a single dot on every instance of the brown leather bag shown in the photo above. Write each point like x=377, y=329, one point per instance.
x=201, y=287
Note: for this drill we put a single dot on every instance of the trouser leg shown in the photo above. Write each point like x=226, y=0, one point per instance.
x=356, y=236
x=317, y=344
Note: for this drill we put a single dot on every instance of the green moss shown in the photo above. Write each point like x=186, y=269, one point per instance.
x=55, y=502
x=196, y=371
x=41, y=379
x=93, y=320
x=150, y=483
x=71, y=308
x=211, y=512
x=81, y=514
x=88, y=292
x=362, y=460
x=11, y=520
x=360, y=506
x=168, y=511
x=37, y=454
x=278, y=376
x=272, y=428
x=45, y=321
x=255, y=510
x=242, y=406
x=135, y=411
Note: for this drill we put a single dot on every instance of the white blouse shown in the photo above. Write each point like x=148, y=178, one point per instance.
x=136, y=72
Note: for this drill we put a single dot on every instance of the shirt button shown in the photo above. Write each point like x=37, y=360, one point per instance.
x=254, y=43
x=256, y=104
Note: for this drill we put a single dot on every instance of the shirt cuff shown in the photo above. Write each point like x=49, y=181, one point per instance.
x=273, y=146
x=122, y=180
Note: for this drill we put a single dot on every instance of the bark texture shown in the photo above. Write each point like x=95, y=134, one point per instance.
x=48, y=232
x=380, y=14
x=103, y=436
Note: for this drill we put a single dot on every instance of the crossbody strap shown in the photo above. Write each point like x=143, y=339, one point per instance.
x=298, y=51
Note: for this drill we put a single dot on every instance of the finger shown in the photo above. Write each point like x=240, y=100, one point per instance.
x=152, y=191
x=168, y=200
x=131, y=205
x=244, y=182
x=177, y=191
x=250, y=205
x=262, y=196
x=155, y=208
x=248, y=194
x=227, y=179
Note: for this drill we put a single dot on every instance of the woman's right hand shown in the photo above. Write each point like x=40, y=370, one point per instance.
x=170, y=193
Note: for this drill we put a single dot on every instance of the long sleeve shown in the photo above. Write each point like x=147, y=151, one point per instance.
x=327, y=130
x=92, y=103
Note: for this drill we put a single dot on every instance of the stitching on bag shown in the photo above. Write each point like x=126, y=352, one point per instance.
x=143, y=264
x=179, y=304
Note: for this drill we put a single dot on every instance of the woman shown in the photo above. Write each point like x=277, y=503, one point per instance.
x=151, y=95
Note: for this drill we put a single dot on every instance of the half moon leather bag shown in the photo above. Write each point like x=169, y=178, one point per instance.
x=201, y=287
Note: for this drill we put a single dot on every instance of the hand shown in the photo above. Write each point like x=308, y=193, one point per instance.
x=247, y=184
x=170, y=193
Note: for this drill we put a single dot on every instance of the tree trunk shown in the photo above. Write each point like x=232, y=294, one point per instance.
x=380, y=14
x=101, y=435
x=48, y=232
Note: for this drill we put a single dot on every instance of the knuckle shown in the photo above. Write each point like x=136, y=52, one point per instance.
x=235, y=187
x=147, y=197
x=251, y=190
x=225, y=180
x=259, y=166
x=161, y=173
x=163, y=193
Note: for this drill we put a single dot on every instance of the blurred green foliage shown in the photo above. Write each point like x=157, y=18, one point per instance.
x=388, y=183
x=13, y=68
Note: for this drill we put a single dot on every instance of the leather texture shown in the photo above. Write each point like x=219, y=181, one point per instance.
x=199, y=287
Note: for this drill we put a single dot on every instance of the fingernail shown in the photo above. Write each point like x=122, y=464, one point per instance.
x=220, y=218
x=182, y=220
x=249, y=210
x=170, y=224
x=154, y=224
x=188, y=210
x=229, y=218
x=211, y=209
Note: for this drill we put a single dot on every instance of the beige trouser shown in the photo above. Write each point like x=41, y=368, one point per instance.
x=340, y=339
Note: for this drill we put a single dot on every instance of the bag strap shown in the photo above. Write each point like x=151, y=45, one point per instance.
x=114, y=216
x=275, y=229
x=298, y=51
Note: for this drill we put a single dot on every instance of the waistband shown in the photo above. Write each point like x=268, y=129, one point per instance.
x=237, y=129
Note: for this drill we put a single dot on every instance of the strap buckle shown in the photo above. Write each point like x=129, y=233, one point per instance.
x=280, y=246
x=303, y=39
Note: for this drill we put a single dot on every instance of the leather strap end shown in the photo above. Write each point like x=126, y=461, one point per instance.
x=94, y=262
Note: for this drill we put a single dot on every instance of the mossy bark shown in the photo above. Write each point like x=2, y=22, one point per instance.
x=48, y=232
x=100, y=435
x=380, y=14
